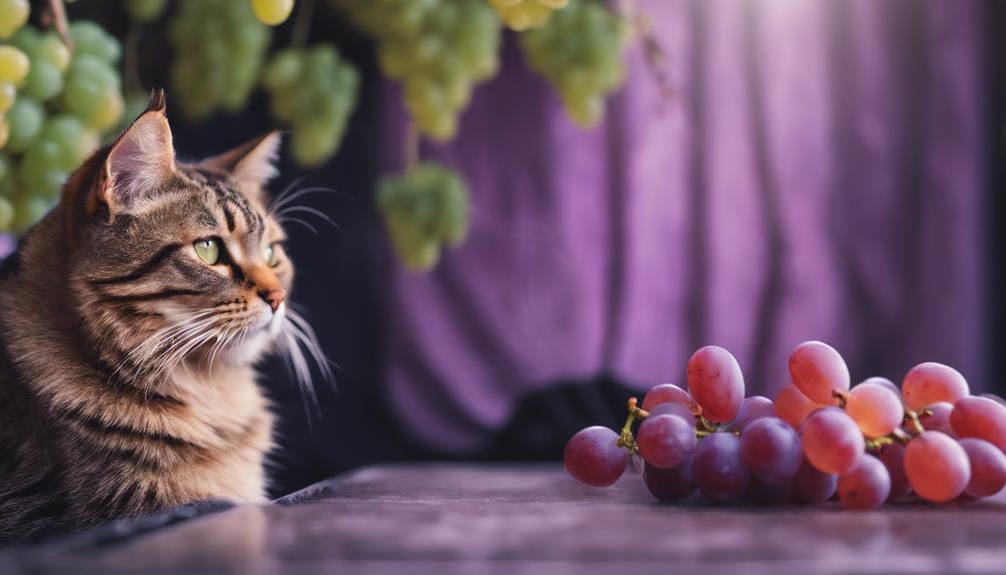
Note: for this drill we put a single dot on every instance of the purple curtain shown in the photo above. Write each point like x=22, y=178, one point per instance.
x=816, y=174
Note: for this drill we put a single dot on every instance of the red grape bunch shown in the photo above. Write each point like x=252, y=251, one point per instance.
x=819, y=440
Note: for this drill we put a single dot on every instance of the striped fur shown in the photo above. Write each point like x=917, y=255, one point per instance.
x=126, y=362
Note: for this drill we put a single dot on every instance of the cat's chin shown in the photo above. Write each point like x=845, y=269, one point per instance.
x=257, y=340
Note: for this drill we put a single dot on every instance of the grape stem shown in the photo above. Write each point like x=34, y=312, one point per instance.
x=411, y=149
x=841, y=396
x=626, y=439
x=302, y=24
x=654, y=55
x=57, y=12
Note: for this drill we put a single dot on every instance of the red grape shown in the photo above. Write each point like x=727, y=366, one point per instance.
x=817, y=369
x=875, y=409
x=866, y=486
x=893, y=458
x=927, y=383
x=982, y=418
x=832, y=441
x=666, y=441
x=716, y=383
x=665, y=393
x=811, y=486
x=678, y=409
x=593, y=457
x=936, y=466
x=988, y=467
x=996, y=398
x=792, y=406
x=752, y=408
x=939, y=419
x=669, y=484
x=771, y=450
x=720, y=474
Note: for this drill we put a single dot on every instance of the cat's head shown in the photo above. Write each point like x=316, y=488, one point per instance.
x=176, y=262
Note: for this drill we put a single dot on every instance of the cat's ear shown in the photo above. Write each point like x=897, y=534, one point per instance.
x=251, y=165
x=140, y=161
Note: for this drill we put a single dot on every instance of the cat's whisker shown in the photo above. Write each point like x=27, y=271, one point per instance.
x=312, y=344
x=309, y=210
x=298, y=221
x=284, y=200
x=153, y=342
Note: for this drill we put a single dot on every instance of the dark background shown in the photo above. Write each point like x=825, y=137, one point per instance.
x=340, y=279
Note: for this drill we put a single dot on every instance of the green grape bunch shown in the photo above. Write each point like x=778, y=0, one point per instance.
x=312, y=90
x=61, y=104
x=424, y=209
x=580, y=52
x=219, y=49
x=438, y=49
x=521, y=15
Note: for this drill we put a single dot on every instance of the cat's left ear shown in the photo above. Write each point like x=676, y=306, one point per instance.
x=251, y=164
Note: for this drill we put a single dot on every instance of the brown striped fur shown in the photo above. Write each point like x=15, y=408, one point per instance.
x=92, y=430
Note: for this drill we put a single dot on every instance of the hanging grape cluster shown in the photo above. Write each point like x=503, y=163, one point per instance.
x=424, y=209
x=219, y=47
x=580, y=52
x=313, y=90
x=437, y=49
x=62, y=104
x=523, y=14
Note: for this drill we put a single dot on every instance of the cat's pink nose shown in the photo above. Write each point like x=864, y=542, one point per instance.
x=274, y=297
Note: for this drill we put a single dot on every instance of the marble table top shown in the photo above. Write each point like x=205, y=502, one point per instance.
x=450, y=518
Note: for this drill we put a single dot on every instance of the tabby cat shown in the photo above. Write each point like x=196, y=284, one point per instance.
x=130, y=320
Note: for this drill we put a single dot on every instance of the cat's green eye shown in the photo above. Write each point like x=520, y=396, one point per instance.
x=208, y=250
x=270, y=255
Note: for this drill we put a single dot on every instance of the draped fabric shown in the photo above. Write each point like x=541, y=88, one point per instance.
x=815, y=174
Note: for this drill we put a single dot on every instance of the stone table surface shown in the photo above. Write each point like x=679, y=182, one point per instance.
x=448, y=518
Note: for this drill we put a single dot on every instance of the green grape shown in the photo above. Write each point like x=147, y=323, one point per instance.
x=24, y=121
x=144, y=11
x=6, y=213
x=314, y=90
x=44, y=81
x=14, y=65
x=438, y=49
x=51, y=49
x=93, y=92
x=524, y=14
x=39, y=171
x=8, y=93
x=29, y=209
x=13, y=15
x=73, y=140
x=272, y=12
x=90, y=39
x=219, y=49
x=580, y=53
x=423, y=209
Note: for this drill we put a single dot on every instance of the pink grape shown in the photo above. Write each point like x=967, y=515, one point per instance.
x=866, y=486
x=884, y=382
x=665, y=393
x=752, y=408
x=937, y=467
x=927, y=383
x=716, y=383
x=817, y=369
x=832, y=441
x=678, y=409
x=982, y=418
x=665, y=441
x=771, y=450
x=811, y=486
x=720, y=474
x=669, y=484
x=766, y=494
x=893, y=458
x=939, y=419
x=876, y=409
x=792, y=406
x=593, y=457
x=988, y=467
